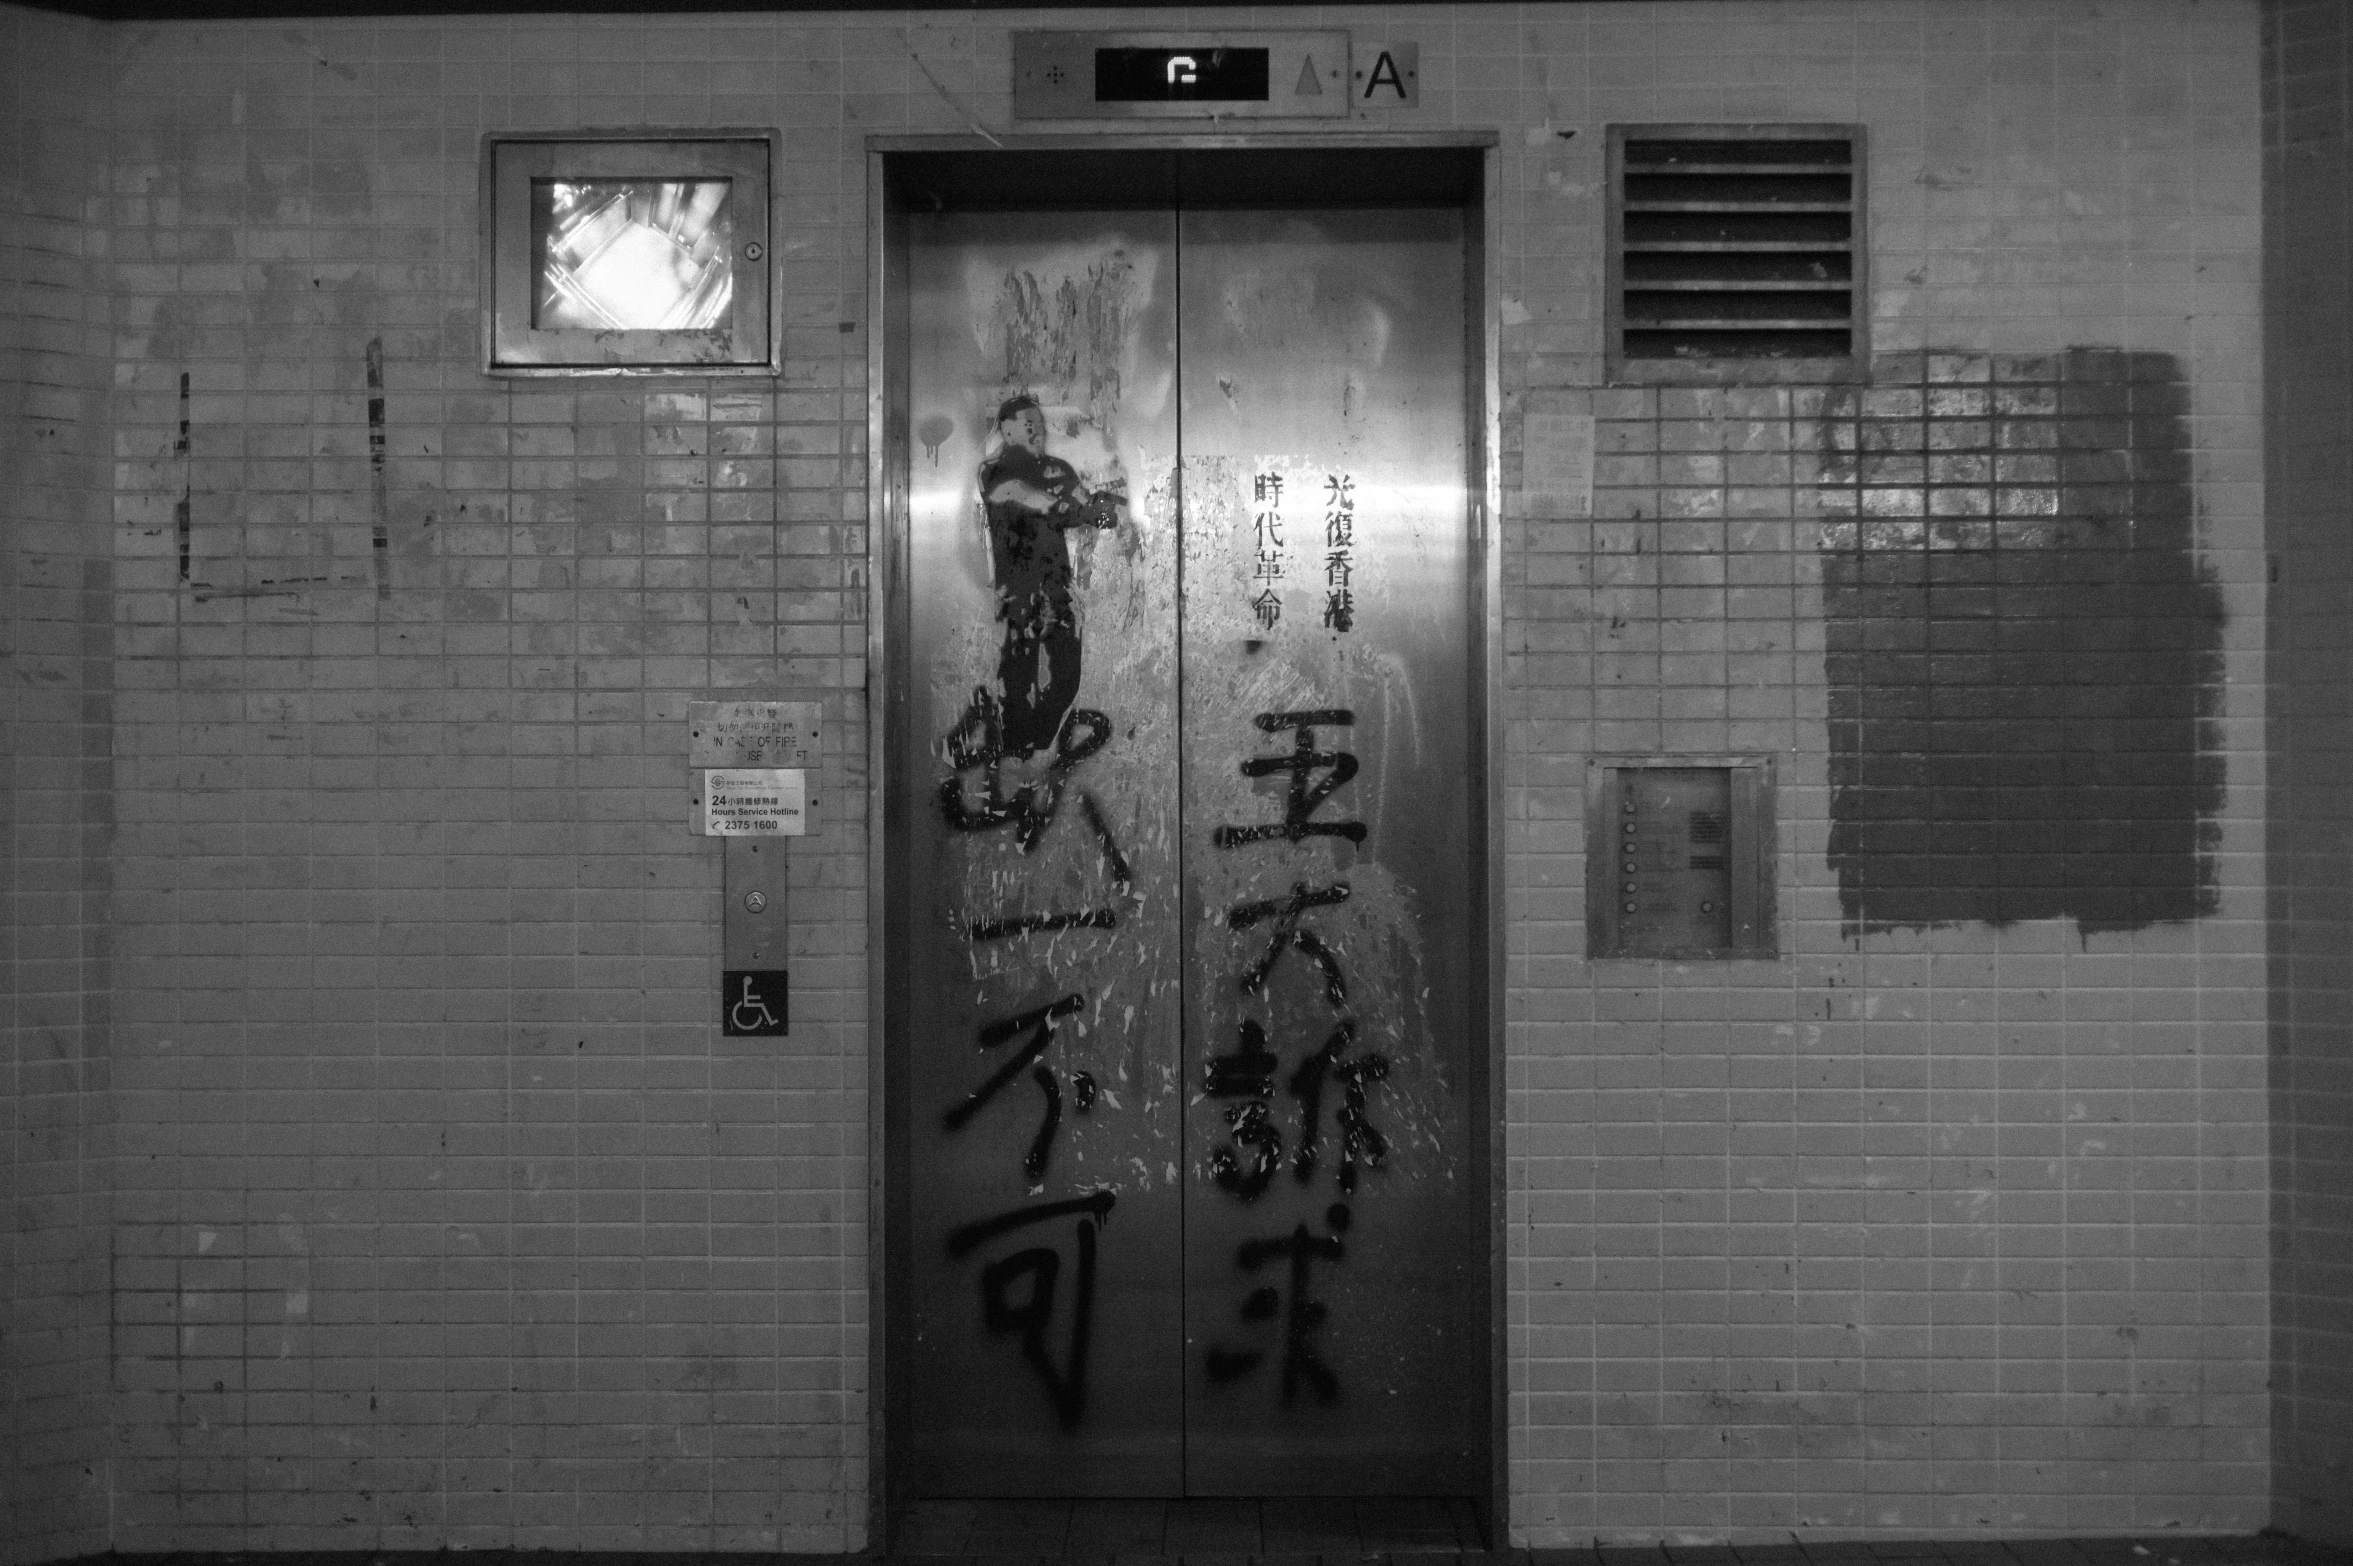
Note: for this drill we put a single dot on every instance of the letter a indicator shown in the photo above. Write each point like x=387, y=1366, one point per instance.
x=1394, y=78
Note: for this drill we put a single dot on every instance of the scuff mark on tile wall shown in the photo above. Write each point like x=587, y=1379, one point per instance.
x=2024, y=655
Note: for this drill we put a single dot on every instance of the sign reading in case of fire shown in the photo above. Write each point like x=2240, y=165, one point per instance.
x=749, y=763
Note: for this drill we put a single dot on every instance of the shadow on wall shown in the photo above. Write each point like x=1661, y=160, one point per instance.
x=2024, y=655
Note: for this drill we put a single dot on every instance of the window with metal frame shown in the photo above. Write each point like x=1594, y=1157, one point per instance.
x=1737, y=253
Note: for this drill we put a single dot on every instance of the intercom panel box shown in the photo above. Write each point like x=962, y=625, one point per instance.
x=1679, y=857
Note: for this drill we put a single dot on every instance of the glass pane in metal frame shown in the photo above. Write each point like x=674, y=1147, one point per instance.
x=628, y=254
x=632, y=255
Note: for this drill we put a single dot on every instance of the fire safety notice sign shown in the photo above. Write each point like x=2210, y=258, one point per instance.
x=749, y=766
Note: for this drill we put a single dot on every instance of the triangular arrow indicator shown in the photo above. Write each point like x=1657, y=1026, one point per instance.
x=1310, y=84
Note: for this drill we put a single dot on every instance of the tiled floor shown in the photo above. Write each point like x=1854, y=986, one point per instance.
x=1407, y=1531
x=1178, y=1529
x=1201, y=1534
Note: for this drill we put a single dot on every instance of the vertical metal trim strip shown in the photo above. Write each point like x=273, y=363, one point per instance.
x=1488, y=704
x=1188, y=935
x=1859, y=205
x=1601, y=925
x=880, y=615
x=1746, y=862
x=486, y=257
x=1613, y=259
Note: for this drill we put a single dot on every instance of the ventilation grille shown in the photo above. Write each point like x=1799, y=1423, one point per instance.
x=1739, y=249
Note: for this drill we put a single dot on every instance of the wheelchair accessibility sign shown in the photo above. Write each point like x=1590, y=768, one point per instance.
x=752, y=1003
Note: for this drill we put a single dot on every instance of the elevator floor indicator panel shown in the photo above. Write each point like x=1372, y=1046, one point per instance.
x=1175, y=76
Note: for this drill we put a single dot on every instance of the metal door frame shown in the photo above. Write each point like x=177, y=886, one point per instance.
x=887, y=693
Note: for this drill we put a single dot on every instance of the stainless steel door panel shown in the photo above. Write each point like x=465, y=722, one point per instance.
x=1193, y=1204
x=1043, y=977
x=1333, y=1291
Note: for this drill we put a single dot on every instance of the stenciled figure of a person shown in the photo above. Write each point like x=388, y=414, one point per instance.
x=1032, y=499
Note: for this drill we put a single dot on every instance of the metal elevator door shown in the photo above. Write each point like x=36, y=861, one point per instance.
x=1190, y=1181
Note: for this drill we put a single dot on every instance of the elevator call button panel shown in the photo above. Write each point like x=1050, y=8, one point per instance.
x=752, y=767
x=1181, y=76
x=1678, y=858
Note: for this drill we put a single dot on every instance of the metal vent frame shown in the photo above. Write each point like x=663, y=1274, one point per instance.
x=1765, y=237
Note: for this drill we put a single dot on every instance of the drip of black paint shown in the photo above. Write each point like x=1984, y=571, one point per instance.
x=183, y=522
x=381, y=521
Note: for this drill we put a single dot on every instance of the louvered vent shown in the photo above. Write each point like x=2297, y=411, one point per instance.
x=1738, y=249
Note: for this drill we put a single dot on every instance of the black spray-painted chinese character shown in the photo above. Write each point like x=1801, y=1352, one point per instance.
x=1248, y=1166
x=1038, y=1022
x=977, y=743
x=1040, y=1268
x=1303, y=1317
x=1360, y=1142
x=1288, y=936
x=1339, y=557
x=1308, y=791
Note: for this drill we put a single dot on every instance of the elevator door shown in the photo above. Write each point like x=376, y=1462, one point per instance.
x=1191, y=1185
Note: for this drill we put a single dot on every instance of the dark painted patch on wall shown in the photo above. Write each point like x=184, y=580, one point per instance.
x=2024, y=655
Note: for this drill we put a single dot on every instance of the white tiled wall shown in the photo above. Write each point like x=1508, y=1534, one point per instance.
x=442, y=1216
x=55, y=657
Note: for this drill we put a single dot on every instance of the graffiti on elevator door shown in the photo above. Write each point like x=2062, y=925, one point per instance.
x=1277, y=540
x=1025, y=786
x=1033, y=499
x=1247, y=1075
x=1308, y=791
x=1339, y=552
x=1245, y=1078
x=1033, y=1031
x=1037, y=1269
x=1181, y=730
x=1302, y=1317
x=1266, y=568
